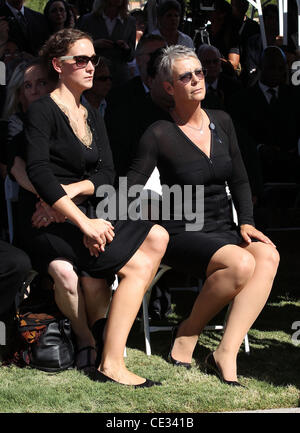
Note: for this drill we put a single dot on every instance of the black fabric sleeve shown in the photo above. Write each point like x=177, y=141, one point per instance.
x=145, y=160
x=238, y=183
x=104, y=173
x=38, y=132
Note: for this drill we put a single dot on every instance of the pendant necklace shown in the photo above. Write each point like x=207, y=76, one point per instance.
x=200, y=130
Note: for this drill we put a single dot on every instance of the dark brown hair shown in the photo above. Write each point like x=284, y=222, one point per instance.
x=58, y=45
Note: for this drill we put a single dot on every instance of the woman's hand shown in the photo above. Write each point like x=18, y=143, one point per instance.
x=45, y=215
x=248, y=232
x=97, y=233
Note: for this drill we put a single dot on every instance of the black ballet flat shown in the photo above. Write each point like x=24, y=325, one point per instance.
x=212, y=368
x=173, y=361
x=98, y=331
x=100, y=377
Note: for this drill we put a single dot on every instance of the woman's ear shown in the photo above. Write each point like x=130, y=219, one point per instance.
x=56, y=64
x=168, y=87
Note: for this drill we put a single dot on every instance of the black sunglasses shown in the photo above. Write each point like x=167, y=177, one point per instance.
x=103, y=78
x=82, y=61
x=186, y=78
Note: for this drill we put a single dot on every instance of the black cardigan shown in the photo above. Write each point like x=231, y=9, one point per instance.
x=54, y=154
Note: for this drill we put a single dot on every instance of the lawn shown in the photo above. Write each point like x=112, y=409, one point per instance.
x=271, y=372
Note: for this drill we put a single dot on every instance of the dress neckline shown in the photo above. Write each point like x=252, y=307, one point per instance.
x=87, y=139
x=194, y=144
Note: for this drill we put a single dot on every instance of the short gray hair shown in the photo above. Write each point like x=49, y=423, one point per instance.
x=169, y=55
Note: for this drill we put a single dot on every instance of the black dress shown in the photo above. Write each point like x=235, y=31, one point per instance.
x=181, y=162
x=56, y=156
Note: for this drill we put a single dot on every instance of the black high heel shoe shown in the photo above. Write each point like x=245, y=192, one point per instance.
x=173, y=361
x=100, y=377
x=212, y=368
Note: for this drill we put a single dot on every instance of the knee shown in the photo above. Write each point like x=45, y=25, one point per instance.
x=157, y=240
x=243, y=268
x=270, y=257
x=64, y=277
x=140, y=266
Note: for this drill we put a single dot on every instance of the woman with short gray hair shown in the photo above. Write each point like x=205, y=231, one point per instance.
x=238, y=262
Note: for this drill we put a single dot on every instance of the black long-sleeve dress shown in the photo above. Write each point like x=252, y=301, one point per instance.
x=181, y=162
x=56, y=156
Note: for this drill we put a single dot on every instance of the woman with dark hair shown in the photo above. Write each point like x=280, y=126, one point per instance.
x=199, y=148
x=68, y=158
x=114, y=34
x=58, y=15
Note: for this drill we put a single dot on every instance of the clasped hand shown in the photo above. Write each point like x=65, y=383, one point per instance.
x=45, y=215
x=97, y=234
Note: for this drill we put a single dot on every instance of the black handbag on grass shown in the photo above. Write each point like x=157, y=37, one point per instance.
x=48, y=339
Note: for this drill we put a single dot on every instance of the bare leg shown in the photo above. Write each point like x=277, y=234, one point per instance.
x=229, y=269
x=70, y=301
x=136, y=276
x=246, y=306
x=97, y=296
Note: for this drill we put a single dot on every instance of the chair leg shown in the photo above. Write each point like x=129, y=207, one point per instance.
x=146, y=326
x=146, y=299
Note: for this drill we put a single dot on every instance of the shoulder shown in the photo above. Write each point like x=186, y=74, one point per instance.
x=43, y=103
x=33, y=14
x=219, y=118
x=130, y=20
x=217, y=115
x=42, y=110
x=161, y=128
x=186, y=38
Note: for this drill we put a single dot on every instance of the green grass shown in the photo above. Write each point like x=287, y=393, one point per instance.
x=271, y=372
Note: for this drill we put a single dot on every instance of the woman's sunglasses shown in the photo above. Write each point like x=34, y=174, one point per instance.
x=82, y=61
x=186, y=78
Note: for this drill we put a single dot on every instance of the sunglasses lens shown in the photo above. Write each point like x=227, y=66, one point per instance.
x=186, y=78
x=81, y=61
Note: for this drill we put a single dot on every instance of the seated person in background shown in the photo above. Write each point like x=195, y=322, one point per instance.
x=245, y=26
x=125, y=107
x=199, y=147
x=58, y=15
x=28, y=83
x=14, y=269
x=269, y=113
x=254, y=47
x=140, y=23
x=101, y=87
x=114, y=33
x=27, y=27
x=222, y=33
x=168, y=18
x=219, y=86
